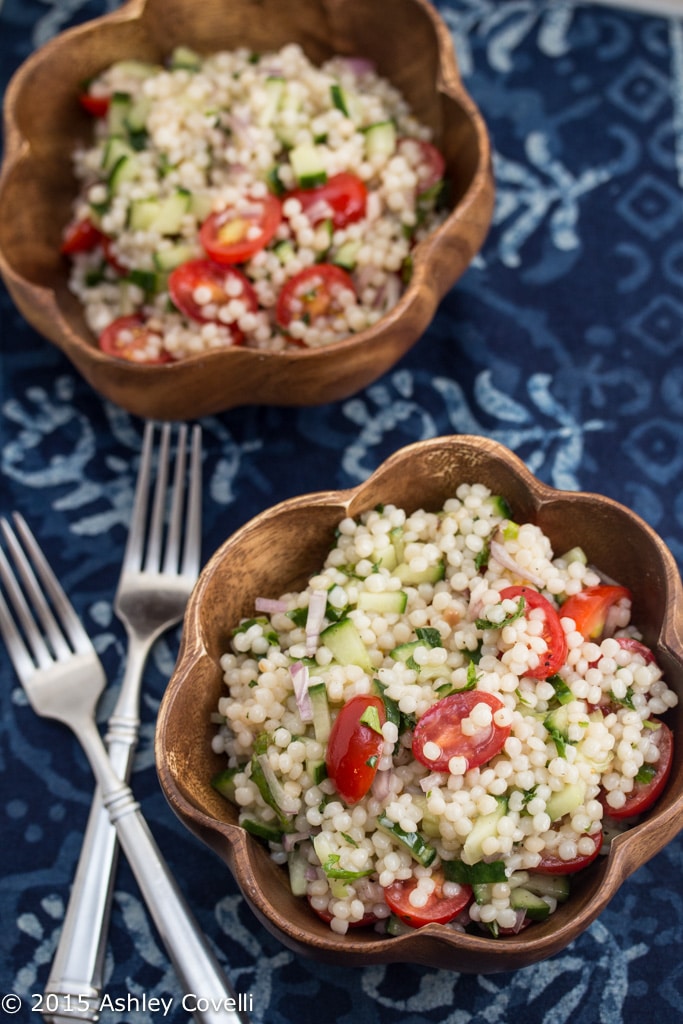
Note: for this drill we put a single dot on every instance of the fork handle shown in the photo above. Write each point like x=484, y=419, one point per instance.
x=214, y=1001
x=74, y=987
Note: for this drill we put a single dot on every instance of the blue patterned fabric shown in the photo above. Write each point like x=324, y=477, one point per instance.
x=564, y=341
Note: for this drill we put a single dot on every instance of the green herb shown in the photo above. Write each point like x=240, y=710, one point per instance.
x=512, y=617
x=646, y=774
x=483, y=873
x=370, y=717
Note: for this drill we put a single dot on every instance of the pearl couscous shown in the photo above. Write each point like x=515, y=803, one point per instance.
x=246, y=199
x=445, y=724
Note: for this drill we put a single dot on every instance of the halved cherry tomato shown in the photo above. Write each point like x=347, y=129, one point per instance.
x=341, y=199
x=312, y=293
x=128, y=336
x=644, y=794
x=80, y=236
x=432, y=164
x=552, y=864
x=232, y=236
x=95, y=105
x=556, y=654
x=441, y=724
x=589, y=608
x=223, y=284
x=354, y=747
x=439, y=909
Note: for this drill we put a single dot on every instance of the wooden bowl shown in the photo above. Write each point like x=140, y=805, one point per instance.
x=43, y=123
x=275, y=552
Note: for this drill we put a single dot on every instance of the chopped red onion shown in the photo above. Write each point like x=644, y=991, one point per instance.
x=314, y=620
x=318, y=211
x=358, y=65
x=299, y=674
x=290, y=839
x=269, y=605
x=432, y=780
x=381, y=784
x=506, y=561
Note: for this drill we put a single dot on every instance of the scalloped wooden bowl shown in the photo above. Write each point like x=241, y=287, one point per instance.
x=43, y=123
x=275, y=552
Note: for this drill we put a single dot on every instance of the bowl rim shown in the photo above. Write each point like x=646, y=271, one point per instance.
x=233, y=843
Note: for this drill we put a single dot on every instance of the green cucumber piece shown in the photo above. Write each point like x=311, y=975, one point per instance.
x=344, y=642
x=307, y=166
x=224, y=782
x=558, y=887
x=184, y=58
x=164, y=216
x=274, y=87
x=565, y=800
x=380, y=139
x=535, y=907
x=126, y=168
x=484, y=827
x=117, y=113
x=322, y=723
x=413, y=842
x=345, y=257
x=432, y=574
x=384, y=603
x=268, y=833
x=172, y=257
x=297, y=865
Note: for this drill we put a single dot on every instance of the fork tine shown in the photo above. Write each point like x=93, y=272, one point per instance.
x=175, y=522
x=193, y=525
x=132, y=556
x=40, y=570
x=153, y=555
x=23, y=660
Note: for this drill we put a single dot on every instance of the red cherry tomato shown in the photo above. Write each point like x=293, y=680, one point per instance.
x=441, y=724
x=556, y=654
x=232, y=236
x=80, y=236
x=95, y=105
x=223, y=284
x=432, y=165
x=552, y=864
x=439, y=909
x=312, y=293
x=644, y=794
x=354, y=747
x=128, y=336
x=589, y=608
x=341, y=199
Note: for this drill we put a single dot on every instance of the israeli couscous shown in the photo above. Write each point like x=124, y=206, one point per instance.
x=246, y=199
x=445, y=724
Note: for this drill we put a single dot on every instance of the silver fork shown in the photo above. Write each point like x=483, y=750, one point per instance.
x=152, y=593
x=63, y=678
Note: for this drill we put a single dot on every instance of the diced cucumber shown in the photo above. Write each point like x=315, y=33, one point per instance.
x=380, y=140
x=576, y=554
x=412, y=577
x=557, y=722
x=343, y=640
x=164, y=216
x=172, y=257
x=396, y=926
x=307, y=166
x=224, y=782
x=498, y=505
x=484, y=827
x=387, y=559
x=565, y=800
x=139, y=69
x=297, y=865
x=316, y=770
x=117, y=112
x=272, y=790
x=184, y=58
x=269, y=833
x=555, y=886
x=322, y=723
x=201, y=205
x=345, y=257
x=284, y=251
x=398, y=543
x=136, y=118
x=413, y=842
x=274, y=87
x=126, y=168
x=384, y=603
x=114, y=148
x=345, y=101
x=405, y=653
x=150, y=281
x=535, y=907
